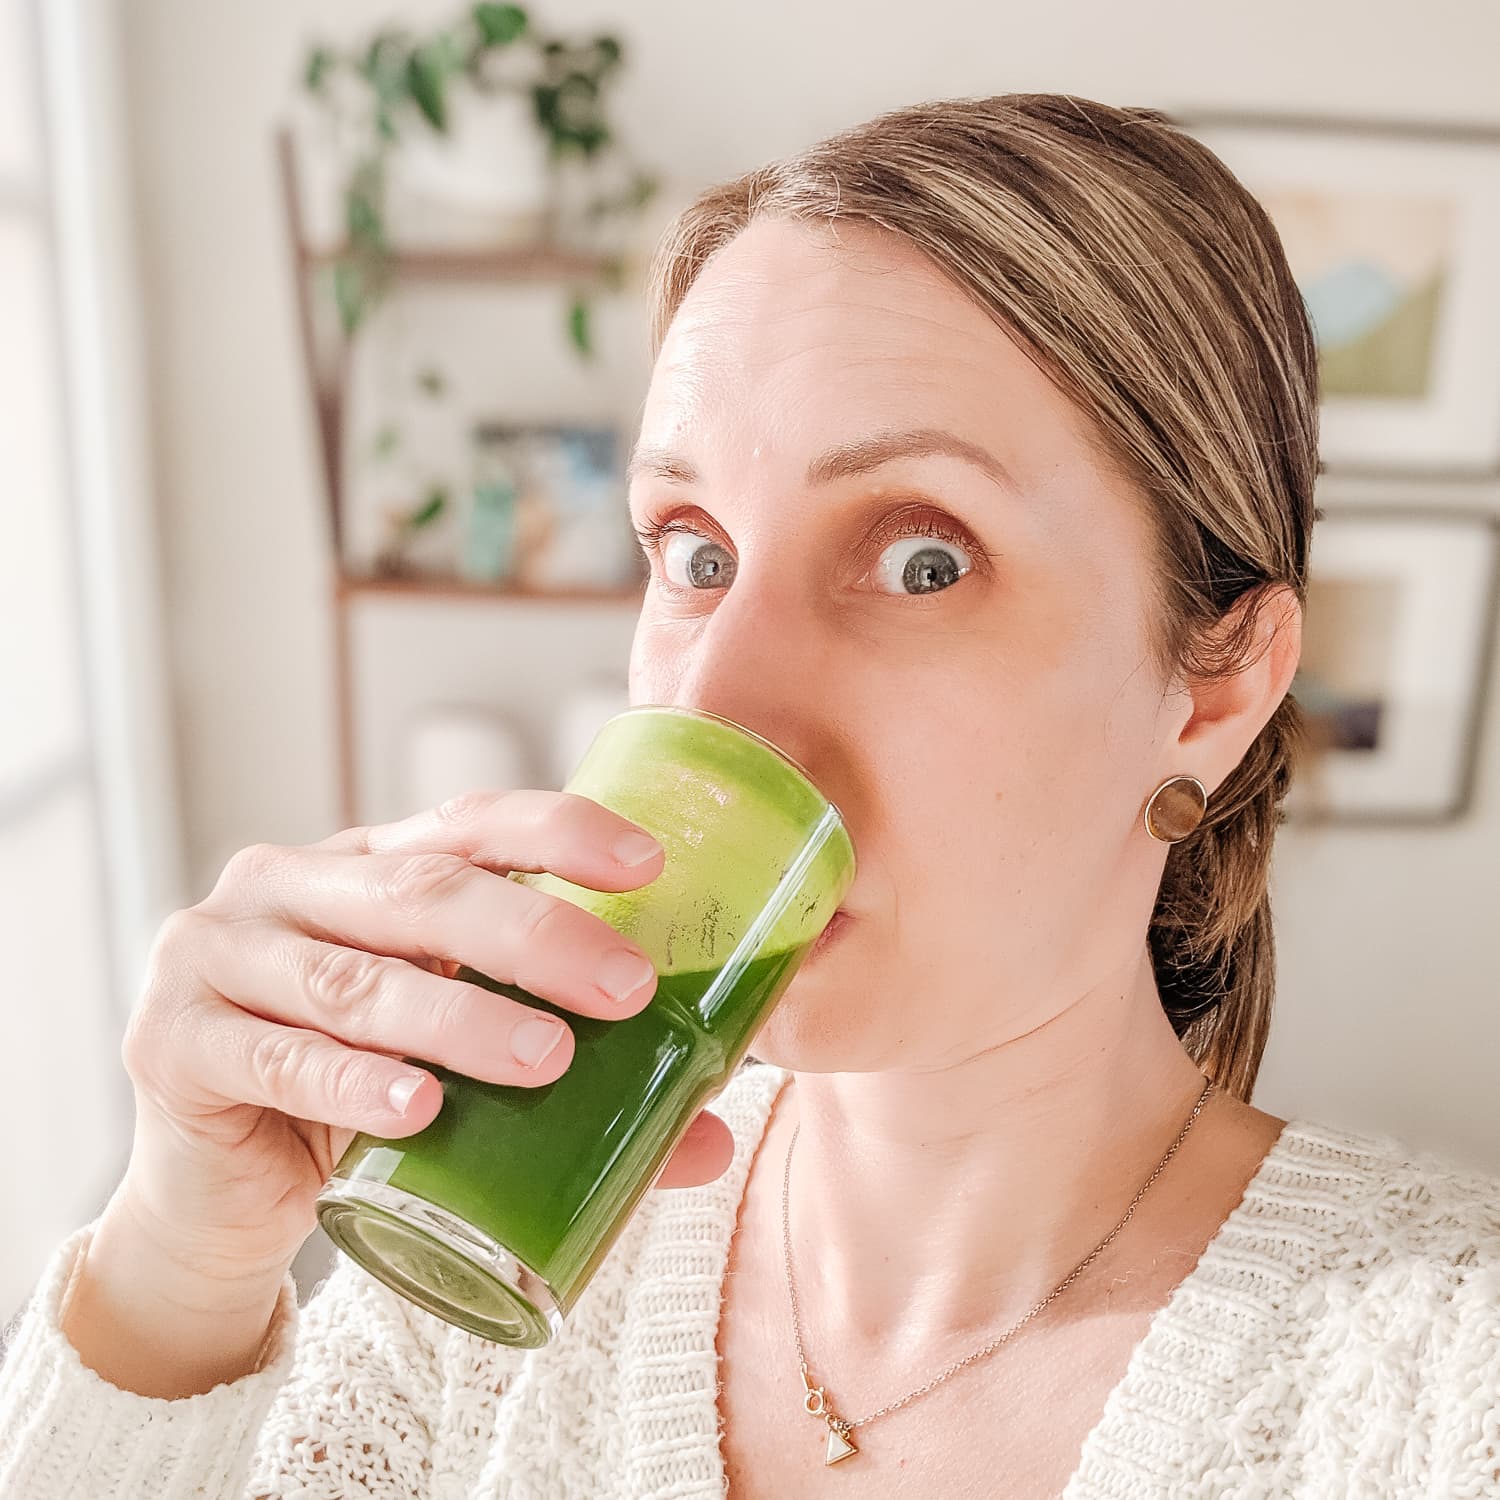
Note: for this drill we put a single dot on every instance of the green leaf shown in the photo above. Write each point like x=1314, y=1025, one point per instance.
x=363, y=220
x=387, y=440
x=364, y=208
x=499, y=25
x=319, y=64
x=384, y=65
x=578, y=91
x=452, y=49
x=610, y=52
x=544, y=105
x=375, y=53
x=425, y=78
x=350, y=293
x=431, y=508
x=579, y=329
x=431, y=380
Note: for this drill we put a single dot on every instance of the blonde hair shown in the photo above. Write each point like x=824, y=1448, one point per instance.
x=1153, y=289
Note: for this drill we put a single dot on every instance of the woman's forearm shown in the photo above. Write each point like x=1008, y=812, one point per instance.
x=146, y=1323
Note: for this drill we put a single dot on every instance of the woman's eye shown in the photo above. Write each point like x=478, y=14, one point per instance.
x=915, y=564
x=695, y=562
x=920, y=565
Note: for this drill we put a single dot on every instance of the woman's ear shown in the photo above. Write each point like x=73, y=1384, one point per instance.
x=1229, y=711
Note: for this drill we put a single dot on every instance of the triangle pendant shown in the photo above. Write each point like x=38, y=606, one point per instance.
x=838, y=1446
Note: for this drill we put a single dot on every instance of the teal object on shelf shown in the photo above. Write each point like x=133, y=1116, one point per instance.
x=490, y=540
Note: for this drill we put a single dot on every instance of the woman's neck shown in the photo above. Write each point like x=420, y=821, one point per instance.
x=927, y=1206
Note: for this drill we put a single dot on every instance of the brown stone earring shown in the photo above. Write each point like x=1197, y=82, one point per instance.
x=1176, y=808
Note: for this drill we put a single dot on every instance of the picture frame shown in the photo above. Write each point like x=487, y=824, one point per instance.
x=1398, y=647
x=1393, y=233
x=547, y=512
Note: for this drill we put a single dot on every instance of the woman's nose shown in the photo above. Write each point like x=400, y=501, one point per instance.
x=759, y=662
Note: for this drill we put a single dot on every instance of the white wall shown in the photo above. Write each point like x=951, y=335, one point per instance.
x=1388, y=1018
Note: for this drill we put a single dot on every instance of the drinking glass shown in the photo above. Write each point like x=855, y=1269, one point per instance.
x=496, y=1216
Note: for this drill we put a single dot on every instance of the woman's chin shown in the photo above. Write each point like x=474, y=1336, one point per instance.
x=810, y=1028
x=804, y=1051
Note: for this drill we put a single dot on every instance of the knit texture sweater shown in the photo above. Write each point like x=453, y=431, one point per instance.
x=1340, y=1336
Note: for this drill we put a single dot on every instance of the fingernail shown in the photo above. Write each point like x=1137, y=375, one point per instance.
x=401, y=1091
x=635, y=848
x=621, y=974
x=532, y=1040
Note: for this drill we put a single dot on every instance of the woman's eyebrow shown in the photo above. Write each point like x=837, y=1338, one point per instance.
x=857, y=457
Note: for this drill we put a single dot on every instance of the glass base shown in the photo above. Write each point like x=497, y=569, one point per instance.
x=435, y=1259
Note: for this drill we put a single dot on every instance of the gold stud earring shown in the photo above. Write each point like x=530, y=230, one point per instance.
x=1176, y=808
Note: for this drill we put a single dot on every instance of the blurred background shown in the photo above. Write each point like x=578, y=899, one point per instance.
x=321, y=342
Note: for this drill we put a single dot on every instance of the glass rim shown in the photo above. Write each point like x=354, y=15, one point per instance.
x=789, y=760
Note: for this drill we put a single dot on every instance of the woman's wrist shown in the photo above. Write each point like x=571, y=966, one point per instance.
x=146, y=1322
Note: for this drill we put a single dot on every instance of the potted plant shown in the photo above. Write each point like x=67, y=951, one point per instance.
x=435, y=115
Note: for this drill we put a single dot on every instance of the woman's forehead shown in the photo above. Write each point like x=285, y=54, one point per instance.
x=788, y=331
x=781, y=293
x=798, y=400
x=791, y=344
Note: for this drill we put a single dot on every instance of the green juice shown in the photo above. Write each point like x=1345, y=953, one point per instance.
x=554, y=1173
x=497, y=1215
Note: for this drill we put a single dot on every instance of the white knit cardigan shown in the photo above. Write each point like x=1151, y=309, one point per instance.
x=1340, y=1337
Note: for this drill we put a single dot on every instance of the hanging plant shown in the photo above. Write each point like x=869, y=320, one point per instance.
x=402, y=82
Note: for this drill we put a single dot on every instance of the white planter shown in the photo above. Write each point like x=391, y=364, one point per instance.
x=484, y=183
x=580, y=716
x=456, y=748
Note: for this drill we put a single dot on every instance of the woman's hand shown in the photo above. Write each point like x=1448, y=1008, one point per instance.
x=276, y=1011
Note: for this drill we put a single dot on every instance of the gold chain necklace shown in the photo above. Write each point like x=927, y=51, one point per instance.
x=815, y=1402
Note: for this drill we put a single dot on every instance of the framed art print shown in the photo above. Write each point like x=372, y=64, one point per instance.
x=551, y=491
x=1393, y=234
x=1397, y=644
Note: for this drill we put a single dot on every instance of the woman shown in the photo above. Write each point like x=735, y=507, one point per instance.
x=976, y=470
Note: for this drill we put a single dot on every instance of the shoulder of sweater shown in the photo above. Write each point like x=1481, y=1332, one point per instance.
x=1395, y=1246
x=1371, y=1184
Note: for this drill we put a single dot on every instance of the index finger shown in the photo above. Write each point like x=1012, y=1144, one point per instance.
x=531, y=831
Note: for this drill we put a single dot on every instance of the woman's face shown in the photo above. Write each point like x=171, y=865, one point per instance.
x=955, y=648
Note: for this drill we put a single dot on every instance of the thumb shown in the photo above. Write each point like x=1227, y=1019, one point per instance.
x=703, y=1154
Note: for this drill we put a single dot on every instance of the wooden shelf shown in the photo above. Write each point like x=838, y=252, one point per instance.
x=469, y=590
x=523, y=263
x=327, y=357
